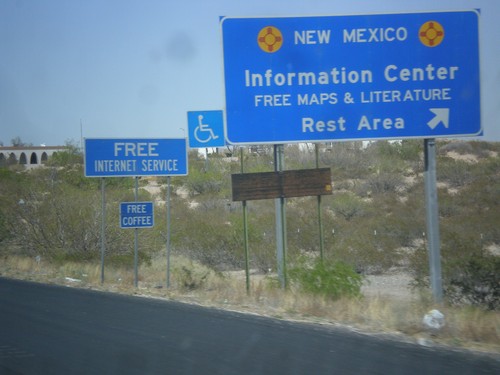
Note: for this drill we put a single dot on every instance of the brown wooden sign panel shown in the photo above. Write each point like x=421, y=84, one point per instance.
x=286, y=184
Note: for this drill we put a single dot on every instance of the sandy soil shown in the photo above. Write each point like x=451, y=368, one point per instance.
x=394, y=285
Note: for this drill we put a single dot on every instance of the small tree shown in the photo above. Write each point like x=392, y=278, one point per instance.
x=17, y=142
x=70, y=156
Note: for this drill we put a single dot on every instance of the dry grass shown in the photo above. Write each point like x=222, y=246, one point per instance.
x=469, y=327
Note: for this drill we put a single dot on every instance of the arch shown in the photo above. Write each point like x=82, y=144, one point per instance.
x=31, y=156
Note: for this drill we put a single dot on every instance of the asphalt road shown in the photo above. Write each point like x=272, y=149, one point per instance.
x=58, y=330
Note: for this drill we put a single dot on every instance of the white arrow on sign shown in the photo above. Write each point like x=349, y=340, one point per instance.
x=441, y=115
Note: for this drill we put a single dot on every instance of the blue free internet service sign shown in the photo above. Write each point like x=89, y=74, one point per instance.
x=296, y=79
x=135, y=157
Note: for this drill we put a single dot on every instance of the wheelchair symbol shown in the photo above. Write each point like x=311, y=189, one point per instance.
x=203, y=133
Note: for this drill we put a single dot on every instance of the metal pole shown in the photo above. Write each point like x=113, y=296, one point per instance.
x=206, y=159
x=320, y=218
x=245, y=232
x=432, y=213
x=136, y=240
x=283, y=241
x=103, y=227
x=245, y=236
x=280, y=220
x=168, y=231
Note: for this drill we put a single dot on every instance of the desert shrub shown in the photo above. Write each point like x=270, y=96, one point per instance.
x=459, y=147
x=258, y=162
x=370, y=240
x=385, y=156
x=4, y=232
x=71, y=155
x=202, y=182
x=327, y=278
x=9, y=200
x=383, y=183
x=52, y=216
x=478, y=148
x=348, y=206
x=402, y=222
x=367, y=252
x=191, y=276
x=476, y=281
x=57, y=219
x=412, y=150
x=212, y=238
x=261, y=234
x=471, y=281
x=302, y=225
x=346, y=161
x=297, y=158
x=456, y=173
x=470, y=275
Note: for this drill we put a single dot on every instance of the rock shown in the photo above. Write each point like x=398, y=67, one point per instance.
x=71, y=280
x=425, y=342
x=433, y=320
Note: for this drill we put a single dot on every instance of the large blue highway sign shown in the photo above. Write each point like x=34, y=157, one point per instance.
x=136, y=215
x=206, y=129
x=135, y=157
x=327, y=78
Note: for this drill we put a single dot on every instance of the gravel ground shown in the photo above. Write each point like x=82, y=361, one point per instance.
x=394, y=285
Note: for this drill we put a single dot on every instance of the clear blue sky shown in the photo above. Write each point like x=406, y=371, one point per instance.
x=126, y=68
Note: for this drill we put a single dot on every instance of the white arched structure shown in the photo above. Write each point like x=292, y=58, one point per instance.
x=29, y=156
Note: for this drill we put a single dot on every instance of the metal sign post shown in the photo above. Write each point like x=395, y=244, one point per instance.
x=168, y=231
x=320, y=217
x=432, y=212
x=136, y=215
x=245, y=231
x=136, y=239
x=279, y=166
x=103, y=227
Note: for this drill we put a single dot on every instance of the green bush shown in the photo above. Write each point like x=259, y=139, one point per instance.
x=383, y=183
x=470, y=275
x=212, y=176
x=330, y=279
x=348, y=206
x=213, y=238
x=52, y=216
x=477, y=282
x=371, y=239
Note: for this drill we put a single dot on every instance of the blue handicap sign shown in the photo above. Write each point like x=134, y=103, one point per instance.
x=327, y=78
x=206, y=129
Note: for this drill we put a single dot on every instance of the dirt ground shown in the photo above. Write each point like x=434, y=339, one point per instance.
x=394, y=284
